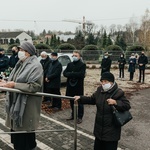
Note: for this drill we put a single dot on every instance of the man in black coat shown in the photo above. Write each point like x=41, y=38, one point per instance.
x=106, y=63
x=75, y=74
x=45, y=61
x=53, y=79
x=142, y=61
x=14, y=57
x=4, y=61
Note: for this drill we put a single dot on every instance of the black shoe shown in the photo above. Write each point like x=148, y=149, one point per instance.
x=71, y=118
x=56, y=109
x=79, y=121
x=139, y=82
x=50, y=106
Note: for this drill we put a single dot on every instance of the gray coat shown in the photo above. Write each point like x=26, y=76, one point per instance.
x=33, y=83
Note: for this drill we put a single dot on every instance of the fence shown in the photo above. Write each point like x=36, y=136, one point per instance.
x=41, y=131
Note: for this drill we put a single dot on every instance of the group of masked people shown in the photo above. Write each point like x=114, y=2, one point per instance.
x=133, y=61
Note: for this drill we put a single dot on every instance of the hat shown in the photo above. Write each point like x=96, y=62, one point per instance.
x=27, y=46
x=1, y=49
x=54, y=54
x=107, y=76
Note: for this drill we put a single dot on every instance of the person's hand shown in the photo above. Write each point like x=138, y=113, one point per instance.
x=46, y=79
x=10, y=84
x=111, y=101
x=2, y=82
x=76, y=98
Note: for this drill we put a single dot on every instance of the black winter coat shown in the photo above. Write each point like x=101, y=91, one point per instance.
x=142, y=60
x=132, y=63
x=4, y=63
x=13, y=60
x=54, y=74
x=45, y=64
x=121, y=62
x=75, y=73
x=105, y=65
x=104, y=128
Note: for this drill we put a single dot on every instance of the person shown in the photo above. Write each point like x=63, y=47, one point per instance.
x=142, y=61
x=14, y=57
x=132, y=63
x=106, y=63
x=23, y=110
x=53, y=80
x=75, y=74
x=45, y=61
x=121, y=64
x=4, y=61
x=106, y=133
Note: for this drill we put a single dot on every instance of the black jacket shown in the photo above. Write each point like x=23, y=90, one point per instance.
x=4, y=63
x=75, y=73
x=13, y=60
x=104, y=128
x=142, y=60
x=54, y=74
x=45, y=63
x=121, y=62
x=105, y=65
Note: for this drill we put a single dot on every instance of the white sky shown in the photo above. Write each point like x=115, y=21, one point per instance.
x=101, y=12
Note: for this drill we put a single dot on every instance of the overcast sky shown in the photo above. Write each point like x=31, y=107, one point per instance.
x=48, y=14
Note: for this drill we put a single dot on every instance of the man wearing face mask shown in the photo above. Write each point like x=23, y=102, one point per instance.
x=4, y=61
x=45, y=61
x=106, y=133
x=23, y=110
x=14, y=57
x=53, y=80
x=106, y=63
x=142, y=61
x=75, y=74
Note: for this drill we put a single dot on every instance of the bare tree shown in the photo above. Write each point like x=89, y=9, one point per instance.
x=144, y=34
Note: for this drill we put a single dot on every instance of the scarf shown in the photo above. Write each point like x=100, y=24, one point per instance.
x=28, y=72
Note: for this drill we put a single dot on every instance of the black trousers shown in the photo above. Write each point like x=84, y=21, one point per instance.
x=23, y=141
x=56, y=102
x=80, y=109
x=105, y=145
x=131, y=75
x=141, y=74
x=121, y=72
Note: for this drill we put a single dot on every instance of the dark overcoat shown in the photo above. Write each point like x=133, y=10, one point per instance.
x=75, y=73
x=54, y=75
x=104, y=128
x=121, y=62
x=132, y=63
x=142, y=60
x=4, y=62
x=105, y=65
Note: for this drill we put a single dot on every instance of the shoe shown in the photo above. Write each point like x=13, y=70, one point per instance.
x=50, y=106
x=139, y=82
x=56, y=109
x=71, y=118
x=79, y=121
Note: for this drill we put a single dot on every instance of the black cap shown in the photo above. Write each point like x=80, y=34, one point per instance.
x=107, y=76
x=54, y=54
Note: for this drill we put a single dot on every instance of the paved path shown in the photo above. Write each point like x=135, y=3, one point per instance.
x=55, y=140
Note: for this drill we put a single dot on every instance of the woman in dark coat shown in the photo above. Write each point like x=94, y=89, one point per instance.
x=105, y=132
x=121, y=63
x=132, y=63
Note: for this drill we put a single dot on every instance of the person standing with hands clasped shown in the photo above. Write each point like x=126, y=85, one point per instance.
x=23, y=110
x=106, y=133
x=142, y=61
x=75, y=74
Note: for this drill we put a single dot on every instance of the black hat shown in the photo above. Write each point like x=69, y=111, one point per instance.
x=29, y=47
x=54, y=54
x=107, y=76
x=1, y=49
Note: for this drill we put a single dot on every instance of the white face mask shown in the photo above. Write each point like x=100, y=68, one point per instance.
x=106, y=86
x=75, y=58
x=21, y=55
x=105, y=56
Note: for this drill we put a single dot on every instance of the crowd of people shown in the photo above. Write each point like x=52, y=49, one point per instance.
x=31, y=75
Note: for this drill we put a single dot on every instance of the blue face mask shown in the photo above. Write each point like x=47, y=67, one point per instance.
x=75, y=58
x=53, y=59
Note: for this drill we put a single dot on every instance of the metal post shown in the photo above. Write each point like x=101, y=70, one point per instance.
x=75, y=124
